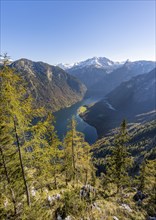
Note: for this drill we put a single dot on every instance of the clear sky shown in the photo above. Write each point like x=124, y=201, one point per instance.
x=69, y=31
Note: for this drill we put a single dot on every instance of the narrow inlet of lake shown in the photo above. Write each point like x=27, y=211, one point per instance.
x=65, y=115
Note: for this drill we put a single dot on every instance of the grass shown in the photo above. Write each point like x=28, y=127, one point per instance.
x=82, y=109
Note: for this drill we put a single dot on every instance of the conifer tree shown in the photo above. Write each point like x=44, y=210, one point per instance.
x=119, y=161
x=45, y=153
x=28, y=143
x=69, y=152
x=77, y=159
x=147, y=183
x=87, y=164
x=56, y=155
x=14, y=109
x=5, y=168
x=17, y=114
x=142, y=176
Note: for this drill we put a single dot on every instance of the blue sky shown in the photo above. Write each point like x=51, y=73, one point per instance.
x=69, y=31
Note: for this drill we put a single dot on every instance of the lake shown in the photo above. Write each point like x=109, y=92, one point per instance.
x=64, y=115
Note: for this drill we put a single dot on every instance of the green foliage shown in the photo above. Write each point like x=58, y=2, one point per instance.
x=15, y=117
x=36, y=166
x=119, y=161
x=148, y=184
x=26, y=146
x=73, y=205
x=77, y=157
x=142, y=176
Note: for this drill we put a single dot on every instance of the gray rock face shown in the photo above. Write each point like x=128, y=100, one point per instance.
x=51, y=86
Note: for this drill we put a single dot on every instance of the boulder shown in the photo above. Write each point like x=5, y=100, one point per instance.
x=139, y=196
x=33, y=192
x=59, y=217
x=68, y=218
x=125, y=206
x=87, y=191
x=53, y=199
x=115, y=218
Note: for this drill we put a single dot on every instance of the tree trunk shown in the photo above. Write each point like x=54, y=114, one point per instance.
x=86, y=176
x=55, y=180
x=21, y=163
x=8, y=180
x=73, y=153
x=66, y=180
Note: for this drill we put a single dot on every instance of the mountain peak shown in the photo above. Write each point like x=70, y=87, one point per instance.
x=98, y=62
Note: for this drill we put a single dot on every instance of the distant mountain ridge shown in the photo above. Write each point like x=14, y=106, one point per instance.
x=129, y=100
x=125, y=72
x=99, y=62
x=51, y=86
x=101, y=75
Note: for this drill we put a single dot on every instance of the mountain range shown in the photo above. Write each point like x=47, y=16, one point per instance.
x=114, y=178
x=101, y=75
x=99, y=62
x=129, y=100
x=122, y=86
x=51, y=86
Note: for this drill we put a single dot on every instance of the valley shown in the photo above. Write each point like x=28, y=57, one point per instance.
x=64, y=116
x=103, y=86
x=128, y=100
x=71, y=155
x=78, y=110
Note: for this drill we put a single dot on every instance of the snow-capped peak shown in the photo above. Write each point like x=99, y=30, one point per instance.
x=65, y=66
x=98, y=62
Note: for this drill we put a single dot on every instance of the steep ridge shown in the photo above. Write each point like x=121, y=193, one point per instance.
x=122, y=73
x=101, y=75
x=51, y=86
x=92, y=70
x=99, y=62
x=129, y=100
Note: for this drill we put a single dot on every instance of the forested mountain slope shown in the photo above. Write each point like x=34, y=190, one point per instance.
x=51, y=86
x=128, y=100
x=44, y=178
x=141, y=144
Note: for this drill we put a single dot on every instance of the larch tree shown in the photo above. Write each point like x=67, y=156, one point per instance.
x=77, y=159
x=142, y=176
x=15, y=110
x=56, y=157
x=24, y=135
